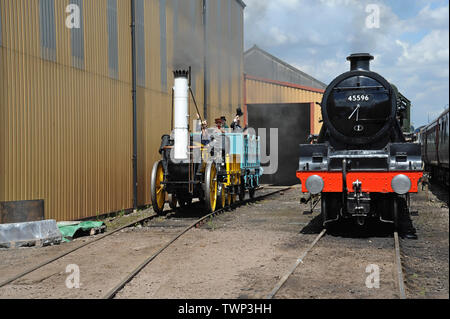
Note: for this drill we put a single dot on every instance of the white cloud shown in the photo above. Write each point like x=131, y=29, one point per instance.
x=433, y=49
x=437, y=18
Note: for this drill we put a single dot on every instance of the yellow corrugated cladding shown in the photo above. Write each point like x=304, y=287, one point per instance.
x=66, y=132
x=265, y=92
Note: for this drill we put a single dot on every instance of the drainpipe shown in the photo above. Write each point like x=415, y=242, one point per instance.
x=205, y=63
x=133, y=63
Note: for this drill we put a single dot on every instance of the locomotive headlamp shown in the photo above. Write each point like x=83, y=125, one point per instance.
x=401, y=184
x=315, y=184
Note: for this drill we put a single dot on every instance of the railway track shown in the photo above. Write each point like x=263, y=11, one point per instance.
x=398, y=267
x=113, y=292
x=148, y=260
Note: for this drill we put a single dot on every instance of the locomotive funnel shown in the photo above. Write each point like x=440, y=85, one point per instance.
x=181, y=114
x=360, y=61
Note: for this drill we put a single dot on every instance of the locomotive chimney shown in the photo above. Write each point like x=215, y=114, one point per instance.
x=181, y=114
x=360, y=61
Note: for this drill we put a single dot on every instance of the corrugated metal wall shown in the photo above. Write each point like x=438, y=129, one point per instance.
x=224, y=58
x=66, y=113
x=65, y=132
x=272, y=92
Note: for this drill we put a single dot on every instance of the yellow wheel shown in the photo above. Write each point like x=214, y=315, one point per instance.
x=157, y=188
x=231, y=198
x=211, y=187
x=221, y=196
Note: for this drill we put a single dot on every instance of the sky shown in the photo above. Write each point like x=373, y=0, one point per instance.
x=410, y=42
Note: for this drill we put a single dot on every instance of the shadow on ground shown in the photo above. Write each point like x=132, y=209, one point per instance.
x=348, y=228
x=440, y=192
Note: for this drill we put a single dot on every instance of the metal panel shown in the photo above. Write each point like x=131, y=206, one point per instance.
x=194, y=8
x=47, y=29
x=175, y=19
x=77, y=38
x=140, y=43
x=230, y=56
x=163, y=43
x=219, y=50
x=113, y=58
x=0, y=24
x=21, y=211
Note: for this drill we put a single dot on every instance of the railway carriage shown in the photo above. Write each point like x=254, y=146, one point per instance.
x=434, y=139
x=361, y=165
x=217, y=170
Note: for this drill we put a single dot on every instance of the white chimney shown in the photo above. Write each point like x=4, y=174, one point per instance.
x=181, y=115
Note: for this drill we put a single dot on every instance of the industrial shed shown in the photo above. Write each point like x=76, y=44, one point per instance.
x=269, y=80
x=70, y=134
x=277, y=95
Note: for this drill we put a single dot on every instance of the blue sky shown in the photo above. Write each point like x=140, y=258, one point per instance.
x=411, y=45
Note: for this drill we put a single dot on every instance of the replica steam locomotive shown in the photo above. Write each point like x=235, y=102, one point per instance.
x=215, y=167
x=361, y=164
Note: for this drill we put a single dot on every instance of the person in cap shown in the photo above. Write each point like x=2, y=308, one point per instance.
x=206, y=138
x=236, y=125
x=224, y=122
x=219, y=128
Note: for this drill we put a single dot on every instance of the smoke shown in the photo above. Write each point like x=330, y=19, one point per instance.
x=188, y=35
x=224, y=46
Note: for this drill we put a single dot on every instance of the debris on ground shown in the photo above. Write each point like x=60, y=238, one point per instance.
x=38, y=233
x=72, y=230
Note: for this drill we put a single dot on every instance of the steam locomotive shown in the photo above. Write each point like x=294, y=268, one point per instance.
x=361, y=164
x=207, y=164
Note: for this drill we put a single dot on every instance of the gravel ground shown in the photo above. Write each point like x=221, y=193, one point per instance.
x=242, y=254
x=425, y=261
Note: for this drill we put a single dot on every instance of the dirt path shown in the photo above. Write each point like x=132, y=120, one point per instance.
x=426, y=260
x=243, y=255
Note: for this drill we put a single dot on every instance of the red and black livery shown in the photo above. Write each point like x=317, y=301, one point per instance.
x=361, y=164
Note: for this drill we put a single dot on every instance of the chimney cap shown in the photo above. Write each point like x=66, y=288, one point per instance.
x=181, y=74
x=360, y=56
x=360, y=61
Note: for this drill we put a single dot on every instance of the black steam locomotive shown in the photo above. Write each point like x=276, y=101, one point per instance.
x=361, y=164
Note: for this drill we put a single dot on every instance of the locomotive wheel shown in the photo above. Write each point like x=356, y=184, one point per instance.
x=157, y=188
x=211, y=187
x=252, y=190
x=231, y=198
x=324, y=211
x=395, y=212
x=172, y=201
x=242, y=191
x=221, y=196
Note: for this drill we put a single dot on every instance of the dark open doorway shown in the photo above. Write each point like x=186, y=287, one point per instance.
x=294, y=126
